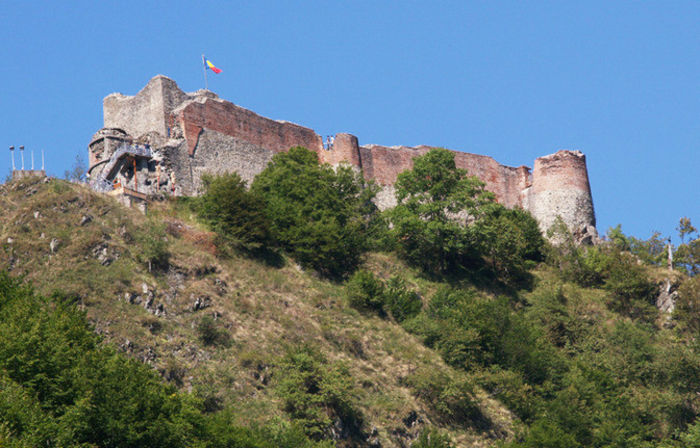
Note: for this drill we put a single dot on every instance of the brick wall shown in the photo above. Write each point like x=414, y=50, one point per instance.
x=235, y=121
x=384, y=164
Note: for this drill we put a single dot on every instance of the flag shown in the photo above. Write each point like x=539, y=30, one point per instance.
x=212, y=67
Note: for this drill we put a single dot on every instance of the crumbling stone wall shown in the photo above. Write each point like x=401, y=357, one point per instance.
x=196, y=133
x=146, y=111
x=217, y=153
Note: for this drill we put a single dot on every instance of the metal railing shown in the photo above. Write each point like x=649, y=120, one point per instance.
x=103, y=182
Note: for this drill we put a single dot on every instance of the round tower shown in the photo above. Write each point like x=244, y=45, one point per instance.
x=560, y=188
x=102, y=146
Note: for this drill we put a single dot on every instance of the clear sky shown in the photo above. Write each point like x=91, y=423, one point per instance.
x=515, y=80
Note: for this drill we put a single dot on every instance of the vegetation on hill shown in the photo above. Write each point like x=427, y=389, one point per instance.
x=319, y=215
x=468, y=330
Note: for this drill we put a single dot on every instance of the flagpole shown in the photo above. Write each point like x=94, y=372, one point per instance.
x=204, y=67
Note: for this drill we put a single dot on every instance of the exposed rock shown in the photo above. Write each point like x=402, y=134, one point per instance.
x=149, y=355
x=666, y=300
x=127, y=346
x=103, y=254
x=221, y=286
x=53, y=245
x=200, y=303
x=373, y=438
x=85, y=220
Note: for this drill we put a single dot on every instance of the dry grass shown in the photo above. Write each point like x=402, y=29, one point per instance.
x=264, y=309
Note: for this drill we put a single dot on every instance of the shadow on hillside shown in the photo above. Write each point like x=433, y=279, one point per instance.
x=484, y=278
x=266, y=256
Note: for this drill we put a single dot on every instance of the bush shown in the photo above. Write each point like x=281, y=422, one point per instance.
x=320, y=215
x=452, y=400
x=431, y=438
x=152, y=242
x=365, y=292
x=210, y=334
x=688, y=305
x=510, y=240
x=632, y=293
x=316, y=394
x=235, y=214
x=401, y=302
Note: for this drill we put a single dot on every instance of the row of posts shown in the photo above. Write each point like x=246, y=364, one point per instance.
x=21, y=151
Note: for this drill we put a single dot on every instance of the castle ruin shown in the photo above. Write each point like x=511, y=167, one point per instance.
x=160, y=141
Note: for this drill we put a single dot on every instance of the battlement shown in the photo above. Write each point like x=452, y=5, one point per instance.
x=196, y=133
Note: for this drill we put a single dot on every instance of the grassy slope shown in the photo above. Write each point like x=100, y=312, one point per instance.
x=264, y=309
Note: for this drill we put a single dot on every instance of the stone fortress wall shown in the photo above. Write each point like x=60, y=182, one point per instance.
x=196, y=133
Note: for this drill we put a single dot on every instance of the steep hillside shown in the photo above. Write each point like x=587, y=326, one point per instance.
x=221, y=327
x=571, y=351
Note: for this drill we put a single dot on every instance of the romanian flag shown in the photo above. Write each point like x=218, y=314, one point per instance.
x=212, y=67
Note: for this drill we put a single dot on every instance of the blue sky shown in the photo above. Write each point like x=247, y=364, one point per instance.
x=515, y=80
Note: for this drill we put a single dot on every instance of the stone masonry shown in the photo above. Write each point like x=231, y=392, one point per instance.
x=195, y=133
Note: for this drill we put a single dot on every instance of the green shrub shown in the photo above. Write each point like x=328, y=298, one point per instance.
x=428, y=222
x=152, y=244
x=431, y=438
x=401, y=302
x=452, y=400
x=316, y=394
x=632, y=293
x=235, y=214
x=211, y=334
x=320, y=215
x=510, y=240
x=687, y=310
x=365, y=292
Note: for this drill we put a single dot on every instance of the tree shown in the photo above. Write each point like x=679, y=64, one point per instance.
x=685, y=228
x=510, y=240
x=78, y=171
x=318, y=214
x=435, y=201
x=688, y=254
x=235, y=214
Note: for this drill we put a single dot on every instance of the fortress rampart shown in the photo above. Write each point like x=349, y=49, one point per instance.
x=194, y=133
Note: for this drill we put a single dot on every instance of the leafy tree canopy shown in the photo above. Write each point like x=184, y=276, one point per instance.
x=235, y=214
x=318, y=214
x=446, y=222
